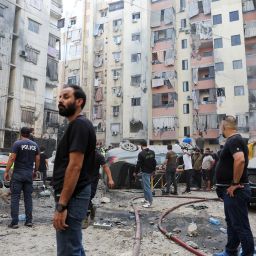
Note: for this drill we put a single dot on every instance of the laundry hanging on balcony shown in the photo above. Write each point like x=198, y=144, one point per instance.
x=157, y=82
x=195, y=75
x=195, y=98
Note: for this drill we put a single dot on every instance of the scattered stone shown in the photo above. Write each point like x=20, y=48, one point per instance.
x=105, y=200
x=192, y=244
x=169, y=234
x=209, y=237
x=176, y=230
x=192, y=229
x=102, y=225
x=151, y=223
x=4, y=216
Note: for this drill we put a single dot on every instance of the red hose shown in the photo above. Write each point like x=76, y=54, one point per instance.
x=136, y=247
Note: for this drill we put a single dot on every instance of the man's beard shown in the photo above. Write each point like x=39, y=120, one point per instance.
x=67, y=111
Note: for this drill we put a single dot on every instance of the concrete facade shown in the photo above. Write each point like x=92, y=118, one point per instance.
x=27, y=92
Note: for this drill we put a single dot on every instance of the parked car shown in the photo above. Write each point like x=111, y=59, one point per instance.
x=122, y=162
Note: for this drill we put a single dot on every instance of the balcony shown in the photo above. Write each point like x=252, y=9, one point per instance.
x=164, y=111
x=164, y=135
x=202, y=60
x=207, y=108
x=205, y=84
x=54, y=30
x=56, y=9
x=50, y=104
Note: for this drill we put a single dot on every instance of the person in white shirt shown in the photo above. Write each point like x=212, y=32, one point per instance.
x=207, y=165
x=187, y=169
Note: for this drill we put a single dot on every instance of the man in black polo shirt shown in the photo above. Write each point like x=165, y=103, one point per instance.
x=73, y=169
x=233, y=188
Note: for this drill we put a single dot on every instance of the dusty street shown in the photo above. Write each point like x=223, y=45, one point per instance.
x=119, y=239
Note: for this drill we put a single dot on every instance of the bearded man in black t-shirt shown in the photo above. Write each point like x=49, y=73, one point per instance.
x=233, y=188
x=73, y=169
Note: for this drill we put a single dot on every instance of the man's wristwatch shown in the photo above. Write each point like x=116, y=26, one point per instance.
x=60, y=207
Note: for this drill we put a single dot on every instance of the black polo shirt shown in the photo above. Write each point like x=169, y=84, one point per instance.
x=225, y=166
x=79, y=137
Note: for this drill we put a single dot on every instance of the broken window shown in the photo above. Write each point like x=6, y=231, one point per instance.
x=27, y=116
x=29, y=83
x=136, y=125
x=183, y=23
x=33, y=26
x=155, y=59
x=51, y=118
x=160, y=100
x=72, y=80
x=117, y=25
x=72, y=21
x=117, y=39
x=32, y=54
x=136, y=80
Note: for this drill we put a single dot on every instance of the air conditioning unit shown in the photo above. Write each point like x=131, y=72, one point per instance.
x=23, y=54
x=115, y=77
x=189, y=97
x=114, y=133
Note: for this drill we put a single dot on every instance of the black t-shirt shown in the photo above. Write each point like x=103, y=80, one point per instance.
x=42, y=165
x=79, y=137
x=146, y=161
x=99, y=161
x=224, y=168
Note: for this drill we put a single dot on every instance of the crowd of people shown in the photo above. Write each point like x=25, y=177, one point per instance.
x=76, y=174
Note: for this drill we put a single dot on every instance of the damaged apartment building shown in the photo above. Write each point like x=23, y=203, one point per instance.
x=29, y=54
x=164, y=69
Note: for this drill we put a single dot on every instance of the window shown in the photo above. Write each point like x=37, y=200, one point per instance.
x=185, y=108
x=187, y=131
x=239, y=90
x=29, y=83
x=235, y=40
x=51, y=118
x=33, y=26
x=73, y=21
x=185, y=86
x=75, y=50
x=136, y=80
x=237, y=64
x=117, y=40
x=1, y=11
x=220, y=92
x=115, y=110
x=36, y=4
x=116, y=6
x=52, y=69
x=116, y=72
x=52, y=41
x=72, y=80
x=162, y=15
x=184, y=43
x=32, y=54
x=135, y=101
x=103, y=13
x=183, y=23
x=161, y=100
x=117, y=56
x=27, y=116
x=135, y=16
x=217, y=19
x=182, y=5
x=117, y=24
x=208, y=54
x=219, y=66
x=184, y=64
x=218, y=43
x=233, y=16
x=135, y=57
x=164, y=34
x=136, y=37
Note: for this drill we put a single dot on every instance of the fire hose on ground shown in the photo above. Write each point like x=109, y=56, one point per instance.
x=136, y=247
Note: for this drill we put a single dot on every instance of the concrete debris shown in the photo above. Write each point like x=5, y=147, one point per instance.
x=223, y=230
x=176, y=230
x=192, y=244
x=44, y=193
x=105, y=200
x=102, y=225
x=4, y=216
x=169, y=234
x=192, y=229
